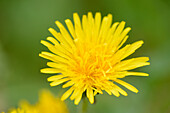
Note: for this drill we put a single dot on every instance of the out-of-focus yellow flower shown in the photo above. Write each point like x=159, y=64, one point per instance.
x=18, y=110
x=23, y=110
x=91, y=59
x=47, y=104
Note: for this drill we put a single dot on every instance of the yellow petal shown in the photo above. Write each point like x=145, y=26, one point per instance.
x=50, y=70
x=115, y=92
x=132, y=63
x=69, y=83
x=67, y=93
x=60, y=81
x=110, y=32
x=123, y=41
x=54, y=33
x=75, y=93
x=77, y=99
x=53, y=40
x=118, y=55
x=59, y=47
x=78, y=28
x=71, y=28
x=128, y=86
x=136, y=74
x=97, y=22
x=105, y=27
x=53, y=57
x=91, y=96
x=119, y=28
x=102, y=30
x=126, y=73
x=56, y=77
x=120, y=90
x=60, y=38
x=90, y=19
x=132, y=48
x=121, y=37
x=124, y=33
x=47, y=57
x=86, y=28
x=76, y=19
x=65, y=34
x=108, y=91
x=109, y=20
x=126, y=51
x=57, y=65
x=87, y=92
x=53, y=49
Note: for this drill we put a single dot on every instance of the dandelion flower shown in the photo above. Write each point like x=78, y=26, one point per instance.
x=23, y=110
x=18, y=111
x=47, y=104
x=90, y=58
x=50, y=104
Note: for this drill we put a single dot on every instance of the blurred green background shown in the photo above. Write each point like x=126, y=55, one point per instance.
x=23, y=23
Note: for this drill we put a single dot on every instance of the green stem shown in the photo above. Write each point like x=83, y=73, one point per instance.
x=84, y=105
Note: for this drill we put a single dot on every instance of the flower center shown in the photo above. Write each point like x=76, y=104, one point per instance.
x=92, y=61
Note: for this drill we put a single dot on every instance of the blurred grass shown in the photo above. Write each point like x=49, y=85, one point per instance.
x=24, y=23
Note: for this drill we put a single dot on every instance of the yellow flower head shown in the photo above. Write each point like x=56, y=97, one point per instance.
x=18, y=110
x=47, y=104
x=90, y=57
x=24, y=110
x=50, y=104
